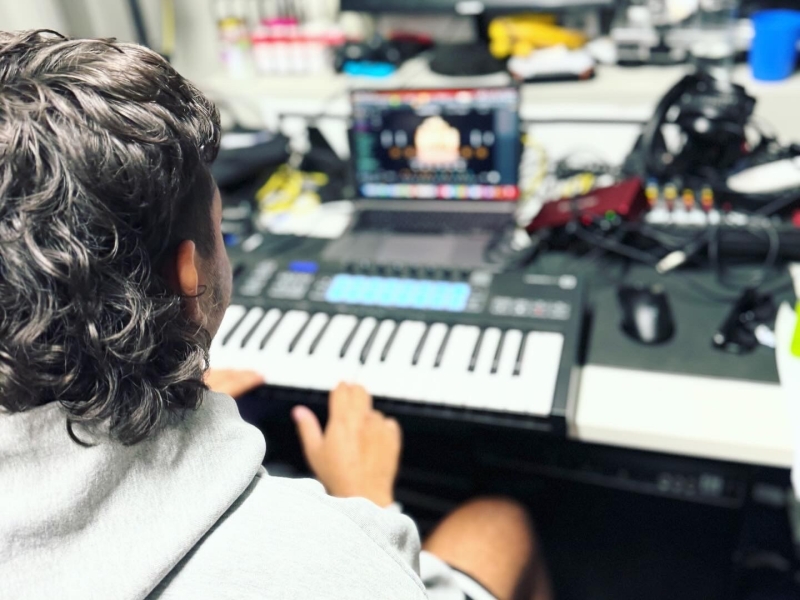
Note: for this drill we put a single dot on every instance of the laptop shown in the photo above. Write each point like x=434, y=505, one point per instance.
x=436, y=174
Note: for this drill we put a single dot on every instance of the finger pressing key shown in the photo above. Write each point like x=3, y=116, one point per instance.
x=339, y=405
x=361, y=398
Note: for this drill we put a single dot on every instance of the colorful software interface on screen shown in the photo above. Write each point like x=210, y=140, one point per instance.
x=437, y=145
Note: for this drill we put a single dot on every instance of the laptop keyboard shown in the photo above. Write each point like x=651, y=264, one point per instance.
x=429, y=222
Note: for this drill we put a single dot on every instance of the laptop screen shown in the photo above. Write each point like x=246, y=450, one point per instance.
x=437, y=144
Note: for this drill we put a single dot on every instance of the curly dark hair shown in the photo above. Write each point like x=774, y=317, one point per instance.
x=104, y=168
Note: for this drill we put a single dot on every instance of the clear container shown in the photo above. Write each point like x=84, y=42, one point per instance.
x=234, y=38
x=715, y=46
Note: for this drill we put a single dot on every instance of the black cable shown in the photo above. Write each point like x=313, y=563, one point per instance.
x=759, y=278
x=138, y=22
x=693, y=286
x=676, y=242
x=652, y=130
x=782, y=202
x=615, y=246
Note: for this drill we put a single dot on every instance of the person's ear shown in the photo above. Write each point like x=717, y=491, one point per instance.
x=185, y=279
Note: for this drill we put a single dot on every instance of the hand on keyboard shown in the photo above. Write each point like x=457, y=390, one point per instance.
x=358, y=454
x=232, y=382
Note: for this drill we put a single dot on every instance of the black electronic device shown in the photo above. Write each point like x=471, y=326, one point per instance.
x=436, y=173
x=712, y=188
x=465, y=60
x=646, y=314
x=738, y=332
x=437, y=144
x=711, y=114
x=463, y=345
x=394, y=51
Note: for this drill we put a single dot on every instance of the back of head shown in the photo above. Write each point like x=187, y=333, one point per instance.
x=104, y=154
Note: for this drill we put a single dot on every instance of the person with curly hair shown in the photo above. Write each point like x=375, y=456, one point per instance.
x=122, y=475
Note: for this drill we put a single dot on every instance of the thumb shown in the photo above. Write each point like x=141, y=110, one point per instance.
x=309, y=430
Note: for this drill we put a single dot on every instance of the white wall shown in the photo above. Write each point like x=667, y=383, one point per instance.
x=99, y=18
x=31, y=14
x=195, y=52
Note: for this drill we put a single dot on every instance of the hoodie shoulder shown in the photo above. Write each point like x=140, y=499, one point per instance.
x=287, y=539
x=111, y=521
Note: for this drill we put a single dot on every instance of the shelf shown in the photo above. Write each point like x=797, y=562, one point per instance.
x=616, y=93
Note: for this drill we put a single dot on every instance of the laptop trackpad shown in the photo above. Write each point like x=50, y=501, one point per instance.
x=465, y=251
x=416, y=249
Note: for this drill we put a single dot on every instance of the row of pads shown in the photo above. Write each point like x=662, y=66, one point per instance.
x=459, y=365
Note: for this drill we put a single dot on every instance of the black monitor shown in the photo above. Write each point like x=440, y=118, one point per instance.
x=467, y=7
x=460, y=145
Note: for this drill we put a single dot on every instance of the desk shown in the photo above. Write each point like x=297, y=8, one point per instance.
x=684, y=397
x=661, y=400
x=724, y=419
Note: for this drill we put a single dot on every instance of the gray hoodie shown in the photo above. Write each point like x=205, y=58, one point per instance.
x=187, y=514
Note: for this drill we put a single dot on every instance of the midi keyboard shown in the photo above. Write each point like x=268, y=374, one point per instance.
x=475, y=346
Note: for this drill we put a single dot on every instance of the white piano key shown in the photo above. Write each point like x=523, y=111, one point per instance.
x=514, y=372
x=370, y=373
x=232, y=349
x=275, y=354
x=324, y=369
x=536, y=382
x=251, y=354
x=296, y=367
x=506, y=392
x=455, y=364
x=349, y=365
x=231, y=318
x=423, y=385
x=397, y=370
x=480, y=381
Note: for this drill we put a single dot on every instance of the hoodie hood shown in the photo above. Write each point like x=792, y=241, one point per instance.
x=111, y=521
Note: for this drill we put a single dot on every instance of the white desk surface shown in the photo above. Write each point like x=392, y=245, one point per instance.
x=721, y=419
x=684, y=415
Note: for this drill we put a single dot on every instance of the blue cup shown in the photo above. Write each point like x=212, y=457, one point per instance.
x=773, y=55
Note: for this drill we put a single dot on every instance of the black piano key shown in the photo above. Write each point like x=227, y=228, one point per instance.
x=390, y=341
x=250, y=333
x=349, y=339
x=473, y=361
x=317, y=339
x=420, y=346
x=370, y=340
x=518, y=363
x=300, y=333
x=271, y=331
x=229, y=335
x=498, y=354
x=442, y=348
